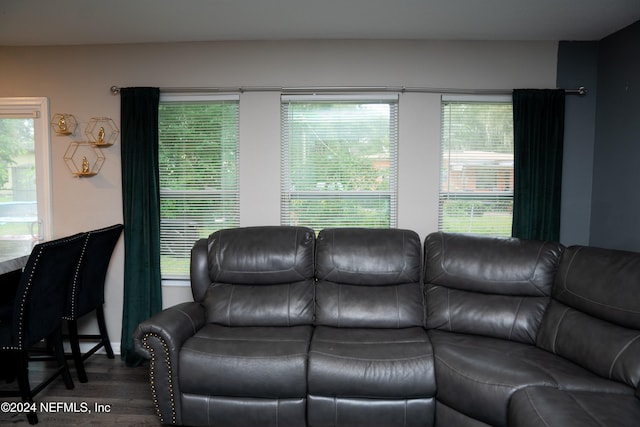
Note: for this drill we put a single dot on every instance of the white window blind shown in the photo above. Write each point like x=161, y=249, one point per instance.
x=476, y=181
x=198, y=165
x=339, y=161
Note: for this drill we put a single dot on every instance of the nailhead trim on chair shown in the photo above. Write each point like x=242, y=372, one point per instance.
x=152, y=378
x=75, y=280
x=23, y=302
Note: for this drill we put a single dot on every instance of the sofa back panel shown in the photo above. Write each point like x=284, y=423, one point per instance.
x=370, y=257
x=261, y=255
x=601, y=282
x=491, y=265
x=501, y=316
x=609, y=350
x=260, y=276
x=369, y=278
x=399, y=306
x=288, y=304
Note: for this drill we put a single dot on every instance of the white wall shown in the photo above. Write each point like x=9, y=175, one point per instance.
x=76, y=79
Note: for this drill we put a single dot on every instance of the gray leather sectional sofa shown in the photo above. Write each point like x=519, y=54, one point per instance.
x=364, y=327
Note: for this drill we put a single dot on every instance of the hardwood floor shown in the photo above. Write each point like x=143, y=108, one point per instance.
x=122, y=393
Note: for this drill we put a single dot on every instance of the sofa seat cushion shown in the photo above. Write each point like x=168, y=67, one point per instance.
x=547, y=407
x=268, y=362
x=371, y=363
x=487, y=371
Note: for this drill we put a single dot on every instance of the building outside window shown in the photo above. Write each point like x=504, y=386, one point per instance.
x=339, y=161
x=476, y=181
x=25, y=191
x=198, y=165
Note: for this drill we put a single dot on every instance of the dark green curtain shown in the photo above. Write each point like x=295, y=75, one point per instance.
x=141, y=210
x=538, y=126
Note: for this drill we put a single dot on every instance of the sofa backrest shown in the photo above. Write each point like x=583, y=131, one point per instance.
x=258, y=276
x=594, y=317
x=368, y=278
x=489, y=286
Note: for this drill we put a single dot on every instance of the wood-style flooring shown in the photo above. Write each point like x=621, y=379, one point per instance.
x=122, y=390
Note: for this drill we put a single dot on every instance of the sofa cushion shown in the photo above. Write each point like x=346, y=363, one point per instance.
x=487, y=371
x=261, y=276
x=499, y=316
x=398, y=306
x=371, y=257
x=488, y=286
x=602, y=283
x=261, y=255
x=287, y=304
x=494, y=265
x=371, y=363
x=369, y=278
x=609, y=350
x=268, y=362
x=594, y=319
x=545, y=407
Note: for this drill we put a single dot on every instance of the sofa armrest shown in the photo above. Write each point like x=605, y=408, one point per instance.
x=159, y=339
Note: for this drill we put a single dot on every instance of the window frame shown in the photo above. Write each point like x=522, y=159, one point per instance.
x=184, y=280
x=38, y=109
x=287, y=194
x=476, y=195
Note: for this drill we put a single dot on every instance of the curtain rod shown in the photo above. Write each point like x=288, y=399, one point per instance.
x=115, y=90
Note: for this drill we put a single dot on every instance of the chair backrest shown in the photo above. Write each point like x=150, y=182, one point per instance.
x=87, y=290
x=497, y=287
x=42, y=291
x=594, y=317
x=369, y=278
x=260, y=276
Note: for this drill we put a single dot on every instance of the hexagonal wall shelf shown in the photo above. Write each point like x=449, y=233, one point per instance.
x=102, y=131
x=64, y=124
x=84, y=159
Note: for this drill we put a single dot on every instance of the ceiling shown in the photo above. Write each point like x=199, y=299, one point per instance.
x=71, y=22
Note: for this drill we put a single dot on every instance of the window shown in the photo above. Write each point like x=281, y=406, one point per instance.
x=339, y=161
x=476, y=183
x=198, y=162
x=25, y=192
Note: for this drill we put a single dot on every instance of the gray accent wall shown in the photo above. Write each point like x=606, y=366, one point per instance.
x=578, y=66
x=615, y=207
x=601, y=187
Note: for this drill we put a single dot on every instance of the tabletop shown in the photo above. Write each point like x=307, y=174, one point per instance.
x=10, y=263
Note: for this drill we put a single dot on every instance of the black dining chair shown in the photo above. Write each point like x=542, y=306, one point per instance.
x=37, y=310
x=86, y=295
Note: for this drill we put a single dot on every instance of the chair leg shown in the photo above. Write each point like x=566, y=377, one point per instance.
x=8, y=366
x=62, y=361
x=72, y=326
x=22, y=375
x=102, y=326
